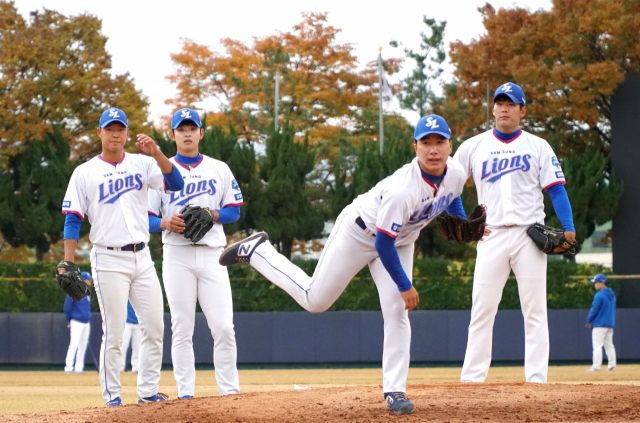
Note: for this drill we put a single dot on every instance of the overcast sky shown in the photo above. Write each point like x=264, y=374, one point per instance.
x=142, y=34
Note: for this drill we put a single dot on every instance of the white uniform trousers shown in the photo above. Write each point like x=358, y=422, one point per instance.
x=131, y=336
x=506, y=249
x=193, y=274
x=348, y=249
x=603, y=337
x=77, y=346
x=120, y=276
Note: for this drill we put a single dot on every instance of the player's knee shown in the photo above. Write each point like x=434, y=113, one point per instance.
x=223, y=330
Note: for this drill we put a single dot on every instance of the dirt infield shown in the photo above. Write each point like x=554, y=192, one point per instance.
x=497, y=402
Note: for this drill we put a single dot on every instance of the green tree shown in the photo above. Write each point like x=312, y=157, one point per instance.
x=32, y=187
x=287, y=208
x=55, y=71
x=416, y=93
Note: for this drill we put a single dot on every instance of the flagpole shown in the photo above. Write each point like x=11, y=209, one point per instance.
x=380, y=98
x=275, y=117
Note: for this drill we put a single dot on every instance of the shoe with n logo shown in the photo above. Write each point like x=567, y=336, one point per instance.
x=241, y=251
x=398, y=403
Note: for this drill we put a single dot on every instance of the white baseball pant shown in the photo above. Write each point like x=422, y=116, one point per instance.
x=77, y=346
x=506, y=249
x=193, y=274
x=348, y=249
x=120, y=276
x=603, y=337
x=132, y=335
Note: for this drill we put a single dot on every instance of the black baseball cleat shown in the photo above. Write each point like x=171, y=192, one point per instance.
x=241, y=251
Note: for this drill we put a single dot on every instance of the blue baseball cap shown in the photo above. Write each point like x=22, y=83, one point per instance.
x=511, y=90
x=113, y=115
x=183, y=115
x=599, y=278
x=431, y=124
x=87, y=275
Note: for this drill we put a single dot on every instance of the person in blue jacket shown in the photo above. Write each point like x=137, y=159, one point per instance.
x=131, y=335
x=602, y=319
x=78, y=315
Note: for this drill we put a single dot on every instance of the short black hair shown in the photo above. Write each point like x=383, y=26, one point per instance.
x=504, y=97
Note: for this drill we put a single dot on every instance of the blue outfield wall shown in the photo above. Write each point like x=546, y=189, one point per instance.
x=330, y=337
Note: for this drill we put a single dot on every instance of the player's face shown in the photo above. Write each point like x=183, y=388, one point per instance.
x=113, y=137
x=433, y=151
x=508, y=115
x=187, y=138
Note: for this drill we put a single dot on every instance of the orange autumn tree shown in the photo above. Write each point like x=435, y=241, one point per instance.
x=568, y=60
x=321, y=89
x=54, y=70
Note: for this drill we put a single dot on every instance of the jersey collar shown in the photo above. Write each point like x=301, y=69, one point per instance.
x=431, y=184
x=187, y=167
x=509, y=140
x=111, y=163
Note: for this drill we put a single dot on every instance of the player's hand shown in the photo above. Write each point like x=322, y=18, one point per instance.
x=411, y=298
x=571, y=237
x=487, y=232
x=173, y=223
x=147, y=144
x=69, y=325
x=590, y=325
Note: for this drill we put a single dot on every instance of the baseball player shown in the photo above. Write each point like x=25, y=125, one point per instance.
x=78, y=315
x=190, y=270
x=510, y=168
x=111, y=189
x=378, y=229
x=131, y=336
x=602, y=319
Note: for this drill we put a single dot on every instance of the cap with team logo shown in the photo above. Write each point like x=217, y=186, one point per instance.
x=183, y=115
x=113, y=115
x=431, y=124
x=511, y=90
x=599, y=278
x=87, y=276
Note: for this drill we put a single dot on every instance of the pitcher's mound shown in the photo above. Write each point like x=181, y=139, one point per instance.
x=499, y=402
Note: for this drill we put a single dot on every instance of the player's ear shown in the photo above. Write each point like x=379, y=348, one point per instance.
x=523, y=111
x=201, y=133
x=99, y=131
x=172, y=135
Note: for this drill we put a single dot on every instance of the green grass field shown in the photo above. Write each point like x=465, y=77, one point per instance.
x=38, y=391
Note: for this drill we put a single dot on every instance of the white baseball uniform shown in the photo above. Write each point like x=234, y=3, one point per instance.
x=400, y=206
x=131, y=336
x=114, y=197
x=509, y=178
x=78, y=346
x=192, y=273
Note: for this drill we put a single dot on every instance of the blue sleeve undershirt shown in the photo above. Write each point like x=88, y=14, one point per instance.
x=562, y=206
x=67, y=308
x=391, y=261
x=456, y=209
x=173, y=181
x=227, y=215
x=154, y=223
x=72, y=226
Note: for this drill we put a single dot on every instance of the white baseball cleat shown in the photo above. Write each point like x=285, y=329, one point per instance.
x=241, y=251
x=593, y=369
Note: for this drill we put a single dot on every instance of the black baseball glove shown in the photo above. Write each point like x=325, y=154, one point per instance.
x=197, y=221
x=455, y=228
x=71, y=281
x=548, y=239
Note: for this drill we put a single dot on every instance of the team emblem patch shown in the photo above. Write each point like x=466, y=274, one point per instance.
x=185, y=114
x=238, y=197
x=113, y=113
x=396, y=227
x=555, y=162
x=559, y=175
x=235, y=185
x=66, y=204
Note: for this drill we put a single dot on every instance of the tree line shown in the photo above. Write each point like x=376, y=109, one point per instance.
x=568, y=60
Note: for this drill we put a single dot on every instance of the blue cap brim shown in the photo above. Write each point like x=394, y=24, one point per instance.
x=114, y=120
x=186, y=120
x=444, y=134
x=511, y=96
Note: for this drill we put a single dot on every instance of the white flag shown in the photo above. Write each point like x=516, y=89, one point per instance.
x=387, y=94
